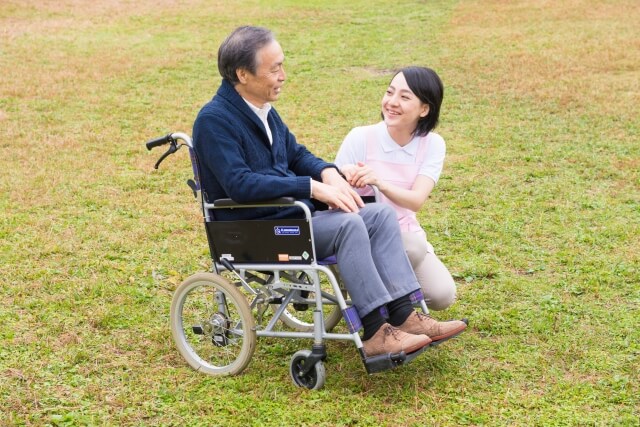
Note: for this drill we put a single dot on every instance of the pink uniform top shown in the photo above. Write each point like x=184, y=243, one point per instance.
x=400, y=166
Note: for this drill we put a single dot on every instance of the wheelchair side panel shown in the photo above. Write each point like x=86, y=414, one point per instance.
x=285, y=241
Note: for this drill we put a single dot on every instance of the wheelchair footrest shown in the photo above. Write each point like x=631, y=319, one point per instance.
x=384, y=362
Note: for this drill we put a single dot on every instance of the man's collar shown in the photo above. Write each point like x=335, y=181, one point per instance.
x=261, y=112
x=228, y=92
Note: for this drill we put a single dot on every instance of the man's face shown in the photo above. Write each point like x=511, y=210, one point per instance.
x=265, y=85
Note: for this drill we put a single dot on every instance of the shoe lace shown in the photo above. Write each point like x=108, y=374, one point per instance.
x=393, y=331
x=422, y=316
x=432, y=325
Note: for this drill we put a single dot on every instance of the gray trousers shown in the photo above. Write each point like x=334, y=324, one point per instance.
x=370, y=253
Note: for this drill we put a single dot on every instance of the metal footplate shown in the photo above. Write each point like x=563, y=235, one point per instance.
x=384, y=362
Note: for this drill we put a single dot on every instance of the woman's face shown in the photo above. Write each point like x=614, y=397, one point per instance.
x=401, y=108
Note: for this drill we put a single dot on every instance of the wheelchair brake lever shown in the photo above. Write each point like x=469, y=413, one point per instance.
x=173, y=147
x=192, y=185
x=227, y=264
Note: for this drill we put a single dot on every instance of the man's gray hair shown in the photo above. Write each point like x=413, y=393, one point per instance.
x=239, y=50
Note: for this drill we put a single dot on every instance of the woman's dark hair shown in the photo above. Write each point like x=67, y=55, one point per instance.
x=239, y=50
x=427, y=86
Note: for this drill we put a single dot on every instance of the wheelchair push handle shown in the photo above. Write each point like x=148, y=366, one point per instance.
x=171, y=139
x=153, y=143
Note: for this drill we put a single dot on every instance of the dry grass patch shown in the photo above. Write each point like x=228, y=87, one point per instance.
x=576, y=53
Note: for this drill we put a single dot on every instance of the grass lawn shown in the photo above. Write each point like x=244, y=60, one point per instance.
x=537, y=213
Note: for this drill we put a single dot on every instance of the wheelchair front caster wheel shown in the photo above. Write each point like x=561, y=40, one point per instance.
x=314, y=379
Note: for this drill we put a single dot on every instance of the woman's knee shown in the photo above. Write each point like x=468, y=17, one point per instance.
x=441, y=298
x=437, y=284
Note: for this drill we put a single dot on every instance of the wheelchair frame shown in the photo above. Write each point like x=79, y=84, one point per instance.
x=208, y=329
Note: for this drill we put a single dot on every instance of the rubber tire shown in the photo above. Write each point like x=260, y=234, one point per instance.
x=235, y=300
x=331, y=319
x=315, y=379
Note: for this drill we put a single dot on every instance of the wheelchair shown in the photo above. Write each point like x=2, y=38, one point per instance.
x=278, y=288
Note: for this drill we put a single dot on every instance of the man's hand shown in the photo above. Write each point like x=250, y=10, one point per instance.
x=336, y=192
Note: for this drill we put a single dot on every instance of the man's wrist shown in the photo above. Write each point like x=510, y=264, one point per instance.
x=328, y=171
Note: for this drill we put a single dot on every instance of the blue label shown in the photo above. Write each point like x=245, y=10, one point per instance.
x=286, y=230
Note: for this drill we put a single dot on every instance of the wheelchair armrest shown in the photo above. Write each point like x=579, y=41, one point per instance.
x=368, y=199
x=280, y=201
x=375, y=197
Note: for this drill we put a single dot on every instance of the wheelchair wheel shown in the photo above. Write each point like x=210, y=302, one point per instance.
x=314, y=379
x=300, y=316
x=212, y=325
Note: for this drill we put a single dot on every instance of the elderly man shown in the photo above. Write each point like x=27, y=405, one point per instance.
x=248, y=154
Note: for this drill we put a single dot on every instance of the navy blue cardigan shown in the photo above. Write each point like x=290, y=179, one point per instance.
x=238, y=162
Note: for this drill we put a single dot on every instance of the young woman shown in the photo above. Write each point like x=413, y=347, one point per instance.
x=403, y=158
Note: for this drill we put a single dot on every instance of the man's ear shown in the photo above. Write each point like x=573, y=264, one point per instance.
x=241, y=73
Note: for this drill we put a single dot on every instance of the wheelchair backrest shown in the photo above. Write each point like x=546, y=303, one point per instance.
x=286, y=241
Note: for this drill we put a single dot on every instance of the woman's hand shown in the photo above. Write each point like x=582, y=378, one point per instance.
x=362, y=175
x=348, y=171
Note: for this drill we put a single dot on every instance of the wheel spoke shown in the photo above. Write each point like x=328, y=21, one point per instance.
x=224, y=338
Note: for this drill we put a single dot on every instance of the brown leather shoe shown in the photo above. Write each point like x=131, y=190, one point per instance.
x=389, y=339
x=420, y=323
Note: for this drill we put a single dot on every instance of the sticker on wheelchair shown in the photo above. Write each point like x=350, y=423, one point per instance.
x=288, y=257
x=286, y=230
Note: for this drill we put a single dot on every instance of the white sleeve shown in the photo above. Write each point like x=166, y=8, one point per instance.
x=353, y=148
x=434, y=157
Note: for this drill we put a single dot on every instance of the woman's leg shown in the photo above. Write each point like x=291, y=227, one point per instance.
x=437, y=284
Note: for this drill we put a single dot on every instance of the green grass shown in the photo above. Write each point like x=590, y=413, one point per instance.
x=537, y=213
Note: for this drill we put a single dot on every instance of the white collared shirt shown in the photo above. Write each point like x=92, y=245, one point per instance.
x=262, y=114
